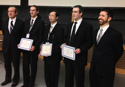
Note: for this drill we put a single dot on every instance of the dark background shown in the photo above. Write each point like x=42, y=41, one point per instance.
x=90, y=14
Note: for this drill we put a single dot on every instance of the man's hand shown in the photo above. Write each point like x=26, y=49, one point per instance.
x=62, y=44
x=77, y=51
x=32, y=48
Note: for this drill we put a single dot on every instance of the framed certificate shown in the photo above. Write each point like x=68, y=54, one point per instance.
x=25, y=44
x=68, y=52
x=46, y=49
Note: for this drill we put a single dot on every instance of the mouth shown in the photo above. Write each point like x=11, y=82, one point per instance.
x=100, y=20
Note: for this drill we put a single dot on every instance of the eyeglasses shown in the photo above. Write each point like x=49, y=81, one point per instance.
x=52, y=15
x=75, y=11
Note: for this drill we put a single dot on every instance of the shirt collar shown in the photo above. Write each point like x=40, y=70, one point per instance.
x=12, y=19
x=34, y=18
x=105, y=28
x=53, y=25
x=79, y=21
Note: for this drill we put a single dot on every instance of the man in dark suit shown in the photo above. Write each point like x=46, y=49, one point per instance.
x=54, y=34
x=33, y=29
x=81, y=39
x=12, y=31
x=108, y=48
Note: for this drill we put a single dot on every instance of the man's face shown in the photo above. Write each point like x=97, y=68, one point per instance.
x=11, y=12
x=103, y=18
x=33, y=12
x=52, y=17
x=75, y=14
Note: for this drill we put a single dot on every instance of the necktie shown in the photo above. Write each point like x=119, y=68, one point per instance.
x=31, y=24
x=11, y=26
x=73, y=32
x=99, y=36
x=51, y=28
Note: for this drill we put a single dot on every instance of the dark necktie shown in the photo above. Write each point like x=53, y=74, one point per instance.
x=73, y=32
x=11, y=26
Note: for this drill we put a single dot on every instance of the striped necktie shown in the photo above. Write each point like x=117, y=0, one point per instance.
x=11, y=26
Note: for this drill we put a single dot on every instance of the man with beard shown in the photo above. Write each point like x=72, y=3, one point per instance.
x=108, y=48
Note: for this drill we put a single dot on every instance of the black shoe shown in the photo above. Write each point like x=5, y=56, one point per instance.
x=5, y=82
x=24, y=86
x=14, y=84
x=31, y=85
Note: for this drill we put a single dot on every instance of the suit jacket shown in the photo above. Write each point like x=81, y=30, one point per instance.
x=56, y=38
x=83, y=39
x=107, y=52
x=12, y=39
x=36, y=33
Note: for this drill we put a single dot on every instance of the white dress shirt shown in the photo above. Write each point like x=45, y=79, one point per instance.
x=9, y=24
x=77, y=26
x=104, y=30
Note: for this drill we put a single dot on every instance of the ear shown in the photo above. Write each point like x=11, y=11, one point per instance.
x=57, y=18
x=37, y=12
x=81, y=13
x=109, y=18
x=16, y=13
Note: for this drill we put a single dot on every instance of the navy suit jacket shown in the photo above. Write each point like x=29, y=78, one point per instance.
x=36, y=33
x=56, y=38
x=12, y=39
x=83, y=39
x=107, y=52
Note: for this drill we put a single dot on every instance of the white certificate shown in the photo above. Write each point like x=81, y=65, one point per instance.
x=46, y=49
x=68, y=52
x=25, y=44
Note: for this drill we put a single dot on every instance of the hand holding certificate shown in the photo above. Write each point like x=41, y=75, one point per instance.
x=25, y=44
x=68, y=52
x=46, y=49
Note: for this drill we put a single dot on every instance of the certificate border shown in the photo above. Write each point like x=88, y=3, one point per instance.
x=23, y=47
x=68, y=56
x=43, y=54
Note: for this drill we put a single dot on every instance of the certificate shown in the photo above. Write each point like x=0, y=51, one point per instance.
x=25, y=44
x=46, y=49
x=68, y=52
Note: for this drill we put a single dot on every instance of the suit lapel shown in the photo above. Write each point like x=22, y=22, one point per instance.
x=105, y=36
x=79, y=28
x=47, y=32
x=7, y=22
x=15, y=26
x=54, y=29
x=94, y=36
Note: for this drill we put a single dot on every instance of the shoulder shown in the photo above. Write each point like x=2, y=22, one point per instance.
x=19, y=20
x=115, y=32
x=86, y=23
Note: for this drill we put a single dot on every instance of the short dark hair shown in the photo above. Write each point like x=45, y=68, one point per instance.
x=109, y=12
x=15, y=8
x=80, y=8
x=37, y=9
x=57, y=13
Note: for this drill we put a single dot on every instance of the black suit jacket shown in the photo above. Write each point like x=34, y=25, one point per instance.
x=56, y=38
x=107, y=52
x=83, y=39
x=36, y=33
x=12, y=39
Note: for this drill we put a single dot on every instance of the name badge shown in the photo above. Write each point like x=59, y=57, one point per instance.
x=27, y=35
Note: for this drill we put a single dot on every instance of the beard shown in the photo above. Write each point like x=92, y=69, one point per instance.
x=102, y=22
